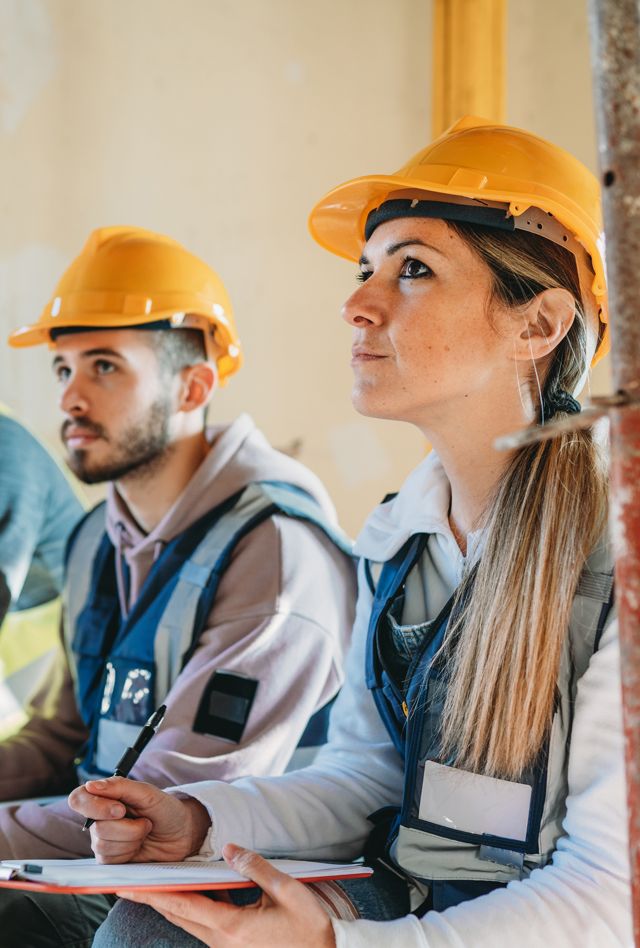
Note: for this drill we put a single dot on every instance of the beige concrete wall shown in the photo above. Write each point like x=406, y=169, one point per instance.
x=220, y=122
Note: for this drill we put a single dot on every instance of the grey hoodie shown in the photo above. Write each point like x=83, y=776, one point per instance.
x=282, y=615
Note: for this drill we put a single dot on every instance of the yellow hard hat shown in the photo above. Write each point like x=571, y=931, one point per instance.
x=127, y=277
x=480, y=164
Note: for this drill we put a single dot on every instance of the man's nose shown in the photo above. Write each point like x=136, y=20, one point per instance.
x=73, y=400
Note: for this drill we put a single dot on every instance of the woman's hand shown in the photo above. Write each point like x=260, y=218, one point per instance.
x=158, y=827
x=287, y=914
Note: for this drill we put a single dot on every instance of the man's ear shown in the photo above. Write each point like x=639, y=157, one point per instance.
x=198, y=383
x=543, y=324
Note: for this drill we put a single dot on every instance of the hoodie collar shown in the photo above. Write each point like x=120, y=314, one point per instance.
x=421, y=506
x=127, y=535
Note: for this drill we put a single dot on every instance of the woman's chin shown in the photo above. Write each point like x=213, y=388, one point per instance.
x=366, y=403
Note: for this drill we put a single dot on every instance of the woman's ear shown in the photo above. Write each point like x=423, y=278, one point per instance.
x=198, y=384
x=544, y=323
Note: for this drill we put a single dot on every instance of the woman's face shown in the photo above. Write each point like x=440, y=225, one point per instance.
x=427, y=339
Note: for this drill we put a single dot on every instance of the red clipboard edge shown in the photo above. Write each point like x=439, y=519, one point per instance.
x=28, y=885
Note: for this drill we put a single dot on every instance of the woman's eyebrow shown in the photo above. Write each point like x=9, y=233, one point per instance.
x=394, y=248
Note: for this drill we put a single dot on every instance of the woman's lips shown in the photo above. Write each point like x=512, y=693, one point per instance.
x=358, y=356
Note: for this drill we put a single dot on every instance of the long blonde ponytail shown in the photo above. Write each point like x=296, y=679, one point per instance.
x=547, y=514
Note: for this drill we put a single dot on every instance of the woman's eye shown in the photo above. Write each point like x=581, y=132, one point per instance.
x=413, y=269
x=363, y=275
x=62, y=373
x=103, y=367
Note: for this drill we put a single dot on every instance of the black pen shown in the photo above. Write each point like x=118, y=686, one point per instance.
x=131, y=754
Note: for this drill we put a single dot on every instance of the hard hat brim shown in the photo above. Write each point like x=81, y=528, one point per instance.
x=40, y=334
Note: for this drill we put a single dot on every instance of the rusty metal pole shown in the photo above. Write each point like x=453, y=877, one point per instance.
x=615, y=51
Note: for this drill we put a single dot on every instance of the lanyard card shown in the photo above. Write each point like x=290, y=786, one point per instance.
x=472, y=803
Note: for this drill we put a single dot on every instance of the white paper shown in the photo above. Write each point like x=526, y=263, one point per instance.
x=87, y=872
x=473, y=803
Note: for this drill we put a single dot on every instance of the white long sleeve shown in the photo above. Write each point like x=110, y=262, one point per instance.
x=581, y=898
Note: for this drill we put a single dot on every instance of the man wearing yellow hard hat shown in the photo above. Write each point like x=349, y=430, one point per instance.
x=214, y=580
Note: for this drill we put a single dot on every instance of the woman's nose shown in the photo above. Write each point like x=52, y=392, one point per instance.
x=363, y=308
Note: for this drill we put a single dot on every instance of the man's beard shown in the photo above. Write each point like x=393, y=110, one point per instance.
x=140, y=450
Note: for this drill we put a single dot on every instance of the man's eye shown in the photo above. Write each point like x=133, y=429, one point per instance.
x=62, y=373
x=413, y=269
x=103, y=367
x=363, y=275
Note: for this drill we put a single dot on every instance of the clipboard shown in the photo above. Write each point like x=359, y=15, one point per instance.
x=86, y=876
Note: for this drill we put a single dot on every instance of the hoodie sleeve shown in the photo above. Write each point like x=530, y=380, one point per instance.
x=277, y=637
x=279, y=628
x=320, y=812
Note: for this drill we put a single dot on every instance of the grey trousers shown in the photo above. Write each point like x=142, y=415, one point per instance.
x=381, y=897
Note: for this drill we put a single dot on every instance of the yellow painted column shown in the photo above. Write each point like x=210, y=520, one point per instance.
x=469, y=61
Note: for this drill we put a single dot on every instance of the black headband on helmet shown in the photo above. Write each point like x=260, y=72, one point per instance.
x=465, y=213
x=70, y=330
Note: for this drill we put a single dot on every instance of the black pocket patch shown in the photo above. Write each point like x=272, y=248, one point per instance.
x=225, y=706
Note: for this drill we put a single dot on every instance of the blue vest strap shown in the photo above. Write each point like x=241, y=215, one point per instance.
x=185, y=615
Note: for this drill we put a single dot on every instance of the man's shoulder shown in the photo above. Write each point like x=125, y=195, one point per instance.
x=90, y=529
x=260, y=501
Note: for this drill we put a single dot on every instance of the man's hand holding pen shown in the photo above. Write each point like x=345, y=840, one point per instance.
x=130, y=756
x=159, y=826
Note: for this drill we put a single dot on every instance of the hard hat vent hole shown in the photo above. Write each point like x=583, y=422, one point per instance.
x=565, y=238
x=539, y=226
x=608, y=178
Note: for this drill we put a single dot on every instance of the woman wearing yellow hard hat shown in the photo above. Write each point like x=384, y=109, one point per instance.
x=476, y=758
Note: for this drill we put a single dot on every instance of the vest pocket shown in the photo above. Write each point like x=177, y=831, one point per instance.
x=473, y=803
x=460, y=805
x=128, y=693
x=113, y=739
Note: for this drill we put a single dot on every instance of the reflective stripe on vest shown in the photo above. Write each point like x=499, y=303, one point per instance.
x=124, y=668
x=28, y=643
x=463, y=833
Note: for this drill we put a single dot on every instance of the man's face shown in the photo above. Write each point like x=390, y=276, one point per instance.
x=117, y=404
